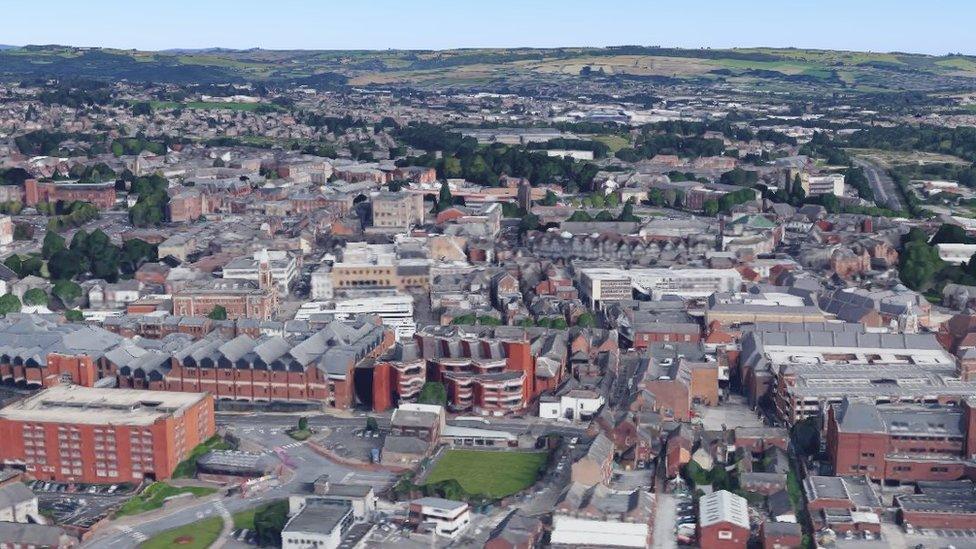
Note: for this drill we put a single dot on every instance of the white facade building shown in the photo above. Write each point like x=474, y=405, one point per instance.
x=569, y=530
x=575, y=405
x=396, y=311
x=603, y=284
x=447, y=518
x=956, y=254
x=284, y=268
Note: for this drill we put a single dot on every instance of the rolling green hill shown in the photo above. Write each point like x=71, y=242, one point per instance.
x=829, y=70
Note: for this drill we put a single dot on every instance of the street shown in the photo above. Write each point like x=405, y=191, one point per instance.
x=886, y=194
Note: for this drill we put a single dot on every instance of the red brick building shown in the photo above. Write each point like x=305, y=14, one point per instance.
x=904, y=443
x=102, y=195
x=723, y=521
x=78, y=434
x=942, y=505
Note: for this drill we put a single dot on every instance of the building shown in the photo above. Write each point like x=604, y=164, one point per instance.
x=102, y=195
x=18, y=503
x=843, y=503
x=240, y=298
x=369, y=266
x=396, y=211
x=723, y=521
x=901, y=442
x=444, y=517
x=79, y=434
x=6, y=230
x=17, y=535
x=321, y=524
x=393, y=308
x=596, y=465
x=516, y=531
x=587, y=516
x=320, y=367
x=610, y=284
x=818, y=185
x=576, y=405
x=283, y=266
x=942, y=505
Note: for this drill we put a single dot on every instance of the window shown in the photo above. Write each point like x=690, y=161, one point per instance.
x=725, y=534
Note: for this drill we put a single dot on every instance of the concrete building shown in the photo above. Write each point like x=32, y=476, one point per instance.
x=444, y=517
x=282, y=264
x=576, y=405
x=818, y=185
x=320, y=524
x=598, y=516
x=79, y=434
x=397, y=211
x=394, y=309
x=609, y=284
x=18, y=503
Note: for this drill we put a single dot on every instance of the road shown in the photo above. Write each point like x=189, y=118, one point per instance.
x=306, y=464
x=664, y=521
x=886, y=193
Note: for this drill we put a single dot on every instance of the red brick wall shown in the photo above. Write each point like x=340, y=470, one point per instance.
x=708, y=537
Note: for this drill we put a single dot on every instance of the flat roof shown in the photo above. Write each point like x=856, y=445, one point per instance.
x=93, y=406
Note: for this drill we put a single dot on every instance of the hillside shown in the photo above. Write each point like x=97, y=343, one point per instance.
x=768, y=68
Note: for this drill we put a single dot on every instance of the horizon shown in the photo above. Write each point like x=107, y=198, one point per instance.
x=476, y=48
x=897, y=26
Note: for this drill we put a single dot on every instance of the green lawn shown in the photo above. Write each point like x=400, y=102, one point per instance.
x=615, y=142
x=155, y=495
x=495, y=474
x=197, y=535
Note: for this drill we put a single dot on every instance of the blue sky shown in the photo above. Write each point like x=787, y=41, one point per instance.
x=932, y=26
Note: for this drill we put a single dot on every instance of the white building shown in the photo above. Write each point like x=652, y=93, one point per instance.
x=816, y=185
x=6, y=230
x=395, y=310
x=284, y=268
x=602, y=284
x=18, y=503
x=956, y=254
x=576, y=405
x=447, y=518
x=322, y=287
x=320, y=524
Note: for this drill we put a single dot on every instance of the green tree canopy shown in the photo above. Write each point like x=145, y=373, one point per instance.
x=9, y=304
x=219, y=312
x=36, y=297
x=433, y=392
x=53, y=243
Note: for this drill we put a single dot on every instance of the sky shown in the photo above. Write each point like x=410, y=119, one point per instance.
x=917, y=26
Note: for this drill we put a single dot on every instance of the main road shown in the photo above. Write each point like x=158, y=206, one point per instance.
x=886, y=193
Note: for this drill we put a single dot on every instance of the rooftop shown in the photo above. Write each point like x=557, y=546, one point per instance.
x=85, y=405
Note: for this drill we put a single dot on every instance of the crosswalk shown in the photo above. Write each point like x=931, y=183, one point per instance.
x=292, y=445
x=134, y=534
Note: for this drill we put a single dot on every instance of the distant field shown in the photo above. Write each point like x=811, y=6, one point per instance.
x=489, y=473
x=907, y=157
x=615, y=142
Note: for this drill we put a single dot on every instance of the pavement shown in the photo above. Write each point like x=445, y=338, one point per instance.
x=664, y=516
x=886, y=193
x=734, y=412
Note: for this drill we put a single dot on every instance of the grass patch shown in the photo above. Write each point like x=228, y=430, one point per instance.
x=489, y=473
x=156, y=494
x=196, y=535
x=299, y=434
x=615, y=142
x=188, y=467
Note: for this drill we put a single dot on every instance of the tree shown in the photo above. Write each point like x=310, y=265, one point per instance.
x=32, y=266
x=371, y=424
x=219, y=312
x=303, y=423
x=710, y=208
x=74, y=315
x=919, y=264
x=14, y=264
x=529, y=223
x=10, y=304
x=66, y=291
x=444, y=199
x=550, y=199
x=53, y=243
x=586, y=320
x=433, y=392
x=65, y=265
x=950, y=234
x=35, y=297
x=23, y=231
x=269, y=521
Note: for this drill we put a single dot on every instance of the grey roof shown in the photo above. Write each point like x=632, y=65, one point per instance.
x=782, y=528
x=857, y=490
x=404, y=445
x=14, y=493
x=319, y=516
x=780, y=504
x=31, y=535
x=440, y=503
